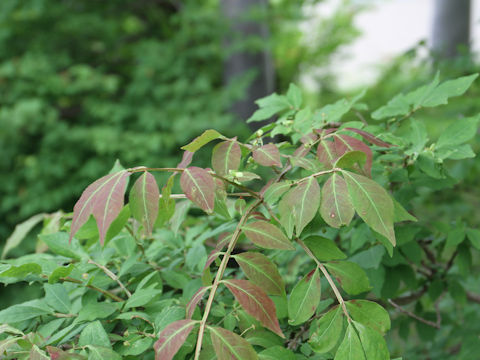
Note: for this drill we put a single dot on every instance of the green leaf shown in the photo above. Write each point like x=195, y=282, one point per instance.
x=263, y=338
x=372, y=203
x=57, y=297
x=24, y=311
x=58, y=273
x=200, y=141
x=294, y=96
x=102, y=353
x=261, y=271
x=166, y=205
x=275, y=191
x=351, y=347
x=417, y=135
x=230, y=346
x=369, y=314
x=21, y=271
x=304, y=299
x=94, y=334
x=266, y=235
x=138, y=347
x=255, y=302
x=461, y=131
x=277, y=353
x=169, y=315
x=226, y=156
x=373, y=344
x=199, y=187
x=400, y=214
x=447, y=89
x=324, y=249
x=329, y=328
x=351, y=160
x=350, y=276
x=94, y=311
x=21, y=230
x=58, y=244
x=269, y=106
x=336, y=207
x=144, y=201
x=142, y=297
x=369, y=259
x=474, y=237
x=399, y=105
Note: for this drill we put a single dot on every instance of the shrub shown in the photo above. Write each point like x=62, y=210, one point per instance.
x=280, y=267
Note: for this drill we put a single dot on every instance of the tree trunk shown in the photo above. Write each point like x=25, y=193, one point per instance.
x=258, y=63
x=451, y=27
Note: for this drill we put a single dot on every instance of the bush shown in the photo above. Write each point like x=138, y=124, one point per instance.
x=279, y=267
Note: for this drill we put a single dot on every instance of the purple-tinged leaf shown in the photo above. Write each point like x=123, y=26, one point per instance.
x=266, y=235
x=301, y=151
x=230, y=346
x=261, y=271
x=275, y=191
x=199, y=141
x=267, y=155
x=199, y=187
x=370, y=137
x=103, y=199
x=172, y=338
x=372, y=203
x=345, y=143
x=256, y=303
x=307, y=201
x=327, y=153
x=304, y=299
x=144, y=199
x=226, y=156
x=192, y=304
x=186, y=159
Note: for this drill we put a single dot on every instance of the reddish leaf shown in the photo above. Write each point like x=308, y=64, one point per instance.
x=261, y=271
x=144, y=201
x=370, y=138
x=326, y=153
x=59, y=354
x=256, y=303
x=301, y=151
x=103, y=199
x=186, y=159
x=230, y=346
x=226, y=156
x=267, y=236
x=199, y=187
x=223, y=241
x=267, y=155
x=345, y=143
x=307, y=200
x=192, y=304
x=172, y=338
x=336, y=207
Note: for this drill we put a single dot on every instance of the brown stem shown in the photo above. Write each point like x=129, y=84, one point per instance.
x=112, y=276
x=436, y=325
x=104, y=292
x=218, y=277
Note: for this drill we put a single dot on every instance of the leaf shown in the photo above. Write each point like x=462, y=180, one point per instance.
x=166, y=205
x=103, y=199
x=58, y=243
x=350, y=276
x=266, y=235
x=351, y=347
x=369, y=314
x=294, y=96
x=474, y=237
x=256, y=303
x=62, y=271
x=372, y=203
x=267, y=155
x=192, y=304
x=275, y=191
x=186, y=159
x=328, y=331
x=370, y=137
x=102, y=353
x=277, y=353
x=21, y=271
x=226, y=156
x=269, y=106
x=353, y=160
x=24, y=311
x=144, y=201
x=172, y=338
x=447, y=89
x=400, y=214
x=169, y=315
x=304, y=298
x=230, y=346
x=21, y=230
x=142, y=297
x=94, y=311
x=307, y=195
x=56, y=296
x=94, y=334
x=327, y=153
x=399, y=105
x=459, y=132
x=200, y=141
x=373, y=344
x=261, y=271
x=199, y=187
x=336, y=207
x=345, y=143
x=324, y=249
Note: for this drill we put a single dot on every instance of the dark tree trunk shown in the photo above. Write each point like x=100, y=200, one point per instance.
x=451, y=27
x=258, y=63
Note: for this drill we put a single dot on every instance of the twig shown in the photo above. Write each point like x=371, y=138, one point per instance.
x=328, y=277
x=112, y=276
x=183, y=196
x=104, y=292
x=436, y=325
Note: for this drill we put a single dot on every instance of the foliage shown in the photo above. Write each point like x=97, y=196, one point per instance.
x=135, y=280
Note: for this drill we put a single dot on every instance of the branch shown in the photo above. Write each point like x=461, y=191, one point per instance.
x=112, y=276
x=436, y=324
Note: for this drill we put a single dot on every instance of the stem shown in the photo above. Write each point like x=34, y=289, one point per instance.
x=218, y=277
x=104, y=292
x=320, y=173
x=328, y=277
x=143, y=168
x=112, y=276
